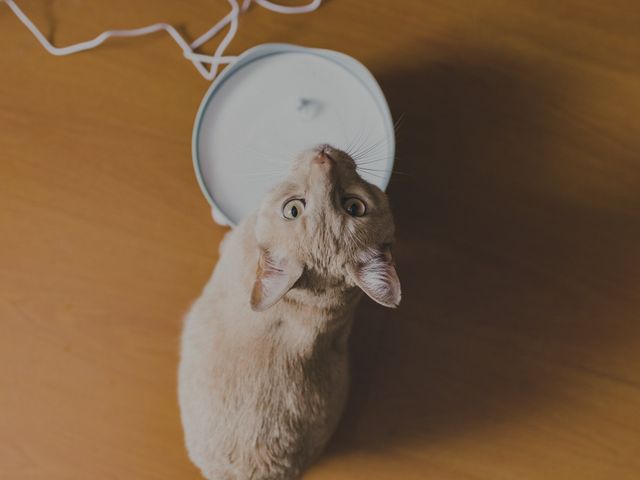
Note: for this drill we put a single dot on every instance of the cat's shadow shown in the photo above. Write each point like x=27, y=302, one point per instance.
x=495, y=259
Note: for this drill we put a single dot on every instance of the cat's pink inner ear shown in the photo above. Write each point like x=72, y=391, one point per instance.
x=274, y=278
x=376, y=275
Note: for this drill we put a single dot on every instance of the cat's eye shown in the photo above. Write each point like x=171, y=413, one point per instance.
x=354, y=206
x=293, y=209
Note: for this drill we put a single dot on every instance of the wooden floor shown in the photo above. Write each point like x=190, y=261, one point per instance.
x=516, y=351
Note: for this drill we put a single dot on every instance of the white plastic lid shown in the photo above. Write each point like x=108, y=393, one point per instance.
x=274, y=102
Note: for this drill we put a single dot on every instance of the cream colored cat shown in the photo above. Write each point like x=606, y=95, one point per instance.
x=263, y=376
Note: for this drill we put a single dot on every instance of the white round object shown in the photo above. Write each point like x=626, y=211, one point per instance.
x=275, y=101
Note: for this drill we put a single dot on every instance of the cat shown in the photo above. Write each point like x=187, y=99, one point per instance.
x=263, y=375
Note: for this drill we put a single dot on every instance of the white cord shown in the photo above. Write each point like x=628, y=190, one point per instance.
x=198, y=60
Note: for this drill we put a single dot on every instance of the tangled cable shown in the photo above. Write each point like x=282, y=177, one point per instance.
x=199, y=60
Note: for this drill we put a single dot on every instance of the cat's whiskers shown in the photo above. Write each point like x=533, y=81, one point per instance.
x=369, y=149
x=356, y=143
x=373, y=160
x=281, y=160
x=393, y=172
x=366, y=155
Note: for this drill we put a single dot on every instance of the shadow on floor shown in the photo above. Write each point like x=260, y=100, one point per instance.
x=510, y=266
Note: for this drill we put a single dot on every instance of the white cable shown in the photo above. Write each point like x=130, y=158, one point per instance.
x=213, y=31
x=198, y=60
x=233, y=19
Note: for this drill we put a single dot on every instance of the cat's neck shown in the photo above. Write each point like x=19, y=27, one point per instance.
x=320, y=301
x=317, y=310
x=309, y=319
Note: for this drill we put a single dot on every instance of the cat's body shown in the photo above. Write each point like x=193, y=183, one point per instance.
x=263, y=377
x=237, y=428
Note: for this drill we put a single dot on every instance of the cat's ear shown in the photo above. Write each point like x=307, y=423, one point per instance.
x=376, y=275
x=274, y=278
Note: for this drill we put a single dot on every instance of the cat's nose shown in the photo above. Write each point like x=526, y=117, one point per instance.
x=322, y=172
x=324, y=156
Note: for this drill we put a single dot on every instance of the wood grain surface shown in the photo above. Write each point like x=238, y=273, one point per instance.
x=516, y=351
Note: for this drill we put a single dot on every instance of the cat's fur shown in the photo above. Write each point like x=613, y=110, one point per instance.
x=263, y=376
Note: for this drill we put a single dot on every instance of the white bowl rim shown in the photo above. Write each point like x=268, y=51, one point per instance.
x=355, y=67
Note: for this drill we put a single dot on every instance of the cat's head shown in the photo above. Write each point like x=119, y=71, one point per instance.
x=326, y=224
